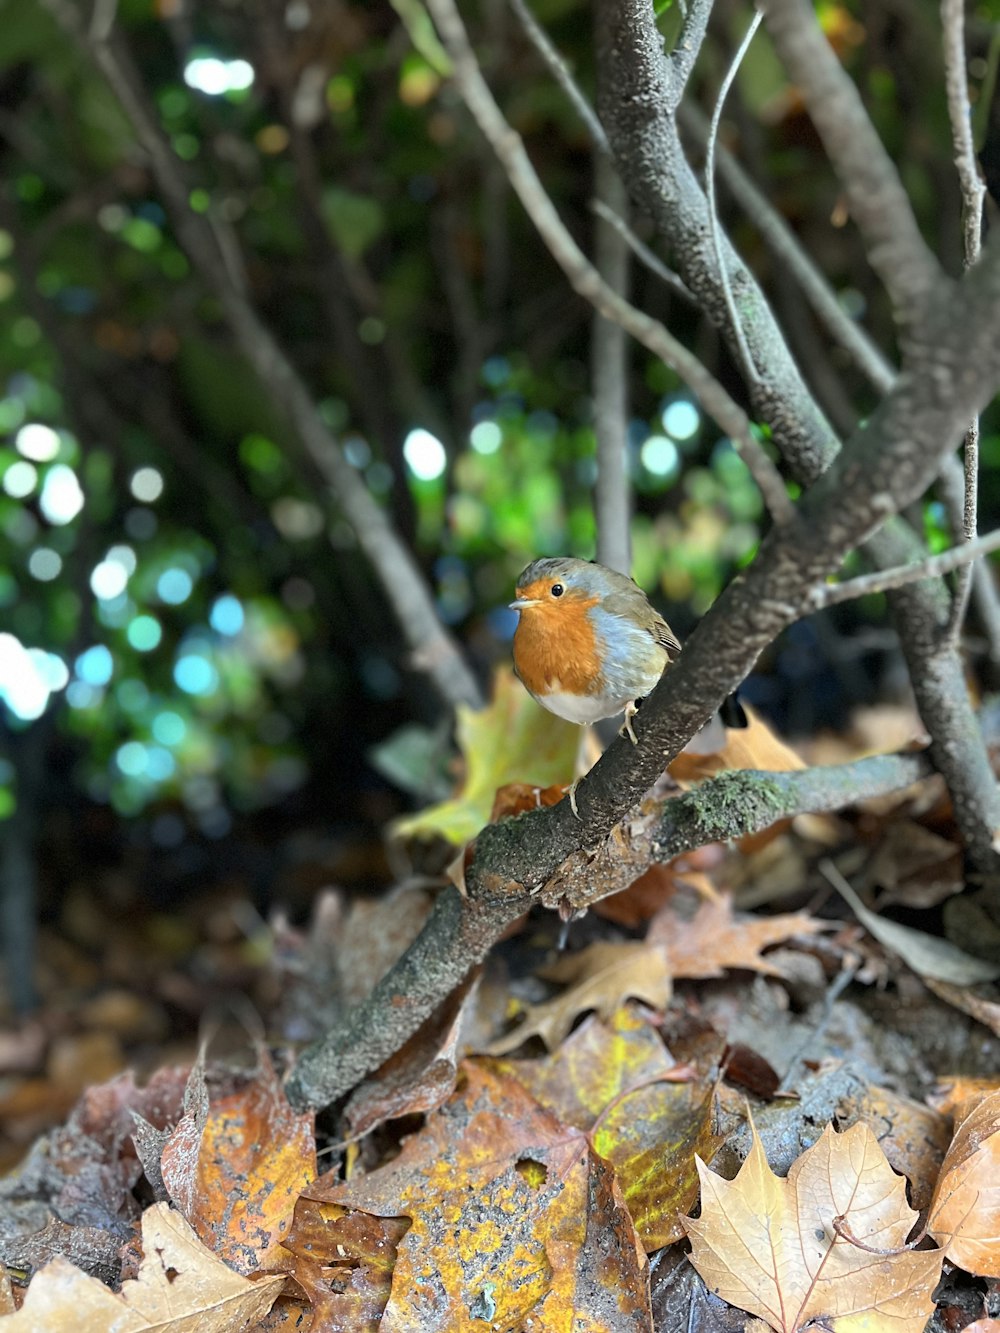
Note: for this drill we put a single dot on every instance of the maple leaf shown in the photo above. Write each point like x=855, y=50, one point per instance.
x=784, y=1249
x=713, y=939
x=965, y=1211
x=181, y=1287
x=604, y=975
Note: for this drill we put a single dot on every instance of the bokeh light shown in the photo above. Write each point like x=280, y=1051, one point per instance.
x=38, y=442
x=146, y=484
x=424, y=454
x=226, y=616
x=681, y=419
x=174, y=586
x=62, y=497
x=195, y=674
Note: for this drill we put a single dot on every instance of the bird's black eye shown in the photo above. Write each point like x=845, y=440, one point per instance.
x=556, y=590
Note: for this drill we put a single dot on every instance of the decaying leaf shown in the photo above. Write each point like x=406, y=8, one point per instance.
x=713, y=939
x=753, y=746
x=514, y=1221
x=237, y=1180
x=784, y=1249
x=513, y=740
x=928, y=955
x=181, y=1288
x=603, y=976
x=965, y=1213
x=982, y=1010
x=957, y=1096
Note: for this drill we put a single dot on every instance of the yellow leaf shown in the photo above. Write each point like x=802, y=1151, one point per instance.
x=513, y=740
x=181, y=1288
x=785, y=1250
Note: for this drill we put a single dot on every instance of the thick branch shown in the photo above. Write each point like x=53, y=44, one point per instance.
x=460, y=932
x=878, y=203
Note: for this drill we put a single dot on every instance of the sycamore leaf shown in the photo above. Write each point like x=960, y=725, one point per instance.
x=515, y=1222
x=965, y=1211
x=783, y=1249
x=181, y=1288
x=604, y=975
x=237, y=1165
x=513, y=740
x=713, y=939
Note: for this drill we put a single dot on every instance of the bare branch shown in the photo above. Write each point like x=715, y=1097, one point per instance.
x=213, y=250
x=460, y=932
x=877, y=199
x=685, y=53
x=609, y=360
x=560, y=71
x=642, y=251
x=973, y=197
x=581, y=273
x=746, y=356
x=829, y=594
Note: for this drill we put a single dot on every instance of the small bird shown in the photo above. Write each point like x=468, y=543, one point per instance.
x=588, y=644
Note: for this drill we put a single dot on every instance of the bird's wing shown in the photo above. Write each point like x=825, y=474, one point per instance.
x=665, y=636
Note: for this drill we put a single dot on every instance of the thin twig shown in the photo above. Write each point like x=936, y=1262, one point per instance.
x=582, y=275
x=643, y=253
x=685, y=53
x=746, y=356
x=829, y=594
x=973, y=197
x=560, y=71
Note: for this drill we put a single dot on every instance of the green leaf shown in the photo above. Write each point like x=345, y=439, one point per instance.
x=355, y=222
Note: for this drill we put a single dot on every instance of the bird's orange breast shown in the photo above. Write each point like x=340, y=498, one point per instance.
x=555, y=648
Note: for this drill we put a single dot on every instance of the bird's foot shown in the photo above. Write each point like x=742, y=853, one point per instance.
x=627, y=729
x=572, y=798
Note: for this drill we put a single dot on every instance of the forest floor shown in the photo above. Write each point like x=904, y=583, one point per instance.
x=720, y=1100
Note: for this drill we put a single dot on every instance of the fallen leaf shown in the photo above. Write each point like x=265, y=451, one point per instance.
x=771, y=1247
x=713, y=939
x=753, y=746
x=913, y=1137
x=344, y=1261
x=983, y=1011
x=515, y=1221
x=957, y=1096
x=928, y=955
x=420, y=1076
x=965, y=1214
x=604, y=975
x=514, y=739
x=237, y=1180
x=181, y=1288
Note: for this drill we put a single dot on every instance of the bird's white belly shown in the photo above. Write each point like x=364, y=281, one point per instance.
x=580, y=708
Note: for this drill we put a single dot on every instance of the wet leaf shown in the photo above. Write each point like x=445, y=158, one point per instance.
x=654, y=1137
x=603, y=975
x=965, y=1213
x=181, y=1288
x=771, y=1246
x=515, y=1221
x=713, y=939
x=513, y=740
x=237, y=1180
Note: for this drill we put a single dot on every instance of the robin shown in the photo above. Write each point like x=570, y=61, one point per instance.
x=588, y=644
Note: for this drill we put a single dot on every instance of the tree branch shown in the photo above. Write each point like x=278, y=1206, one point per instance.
x=460, y=932
x=689, y=43
x=211, y=247
x=582, y=275
x=878, y=203
x=934, y=566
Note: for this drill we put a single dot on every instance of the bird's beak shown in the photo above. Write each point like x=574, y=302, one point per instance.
x=522, y=602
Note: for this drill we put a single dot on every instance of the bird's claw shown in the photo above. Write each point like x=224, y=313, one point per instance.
x=627, y=728
x=572, y=799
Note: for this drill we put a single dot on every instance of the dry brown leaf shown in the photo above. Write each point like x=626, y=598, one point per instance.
x=713, y=939
x=752, y=746
x=604, y=975
x=957, y=1096
x=983, y=1011
x=772, y=1248
x=913, y=1137
x=181, y=1288
x=965, y=1212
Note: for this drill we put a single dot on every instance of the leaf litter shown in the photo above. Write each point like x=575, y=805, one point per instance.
x=470, y=1190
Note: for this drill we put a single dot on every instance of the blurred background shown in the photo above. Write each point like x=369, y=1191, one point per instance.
x=203, y=687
